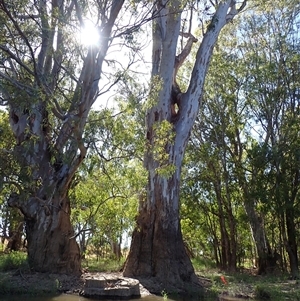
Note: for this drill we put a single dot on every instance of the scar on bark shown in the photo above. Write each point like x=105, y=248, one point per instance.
x=176, y=93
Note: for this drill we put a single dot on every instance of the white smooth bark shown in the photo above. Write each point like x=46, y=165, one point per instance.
x=157, y=237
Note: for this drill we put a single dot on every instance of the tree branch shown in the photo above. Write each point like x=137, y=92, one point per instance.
x=17, y=84
x=180, y=58
x=21, y=33
x=17, y=59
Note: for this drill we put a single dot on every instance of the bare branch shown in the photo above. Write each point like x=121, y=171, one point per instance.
x=26, y=17
x=21, y=33
x=234, y=11
x=45, y=37
x=78, y=13
x=17, y=84
x=242, y=6
x=180, y=58
x=17, y=59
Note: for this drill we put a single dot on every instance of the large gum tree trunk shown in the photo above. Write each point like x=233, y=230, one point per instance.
x=48, y=120
x=157, y=250
x=50, y=236
x=44, y=202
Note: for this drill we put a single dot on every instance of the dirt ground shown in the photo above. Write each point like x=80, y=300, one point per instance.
x=18, y=282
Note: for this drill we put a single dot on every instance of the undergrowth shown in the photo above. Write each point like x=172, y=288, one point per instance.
x=13, y=260
x=246, y=283
x=103, y=264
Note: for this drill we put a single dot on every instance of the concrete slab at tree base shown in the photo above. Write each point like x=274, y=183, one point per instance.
x=231, y=298
x=110, y=287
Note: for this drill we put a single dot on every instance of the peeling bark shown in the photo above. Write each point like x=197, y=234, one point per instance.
x=157, y=249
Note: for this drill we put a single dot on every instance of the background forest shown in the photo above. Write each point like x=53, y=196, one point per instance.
x=241, y=174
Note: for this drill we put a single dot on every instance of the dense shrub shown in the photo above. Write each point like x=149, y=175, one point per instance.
x=13, y=260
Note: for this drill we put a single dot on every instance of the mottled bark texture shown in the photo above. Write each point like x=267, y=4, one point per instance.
x=157, y=250
x=49, y=104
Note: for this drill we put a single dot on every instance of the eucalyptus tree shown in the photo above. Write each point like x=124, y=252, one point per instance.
x=216, y=145
x=112, y=174
x=106, y=213
x=157, y=249
x=261, y=153
x=49, y=82
x=224, y=138
x=11, y=220
x=230, y=137
x=274, y=93
x=260, y=88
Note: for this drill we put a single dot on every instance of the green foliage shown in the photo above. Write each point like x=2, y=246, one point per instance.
x=262, y=293
x=103, y=264
x=107, y=210
x=202, y=264
x=162, y=141
x=9, y=167
x=113, y=175
x=155, y=88
x=164, y=294
x=13, y=260
x=245, y=145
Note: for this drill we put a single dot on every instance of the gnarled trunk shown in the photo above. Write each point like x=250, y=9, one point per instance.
x=51, y=243
x=157, y=248
x=49, y=104
x=43, y=199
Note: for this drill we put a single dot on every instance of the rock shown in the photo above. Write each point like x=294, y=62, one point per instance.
x=231, y=298
x=110, y=287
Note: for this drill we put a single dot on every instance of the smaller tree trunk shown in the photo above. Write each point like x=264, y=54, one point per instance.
x=15, y=238
x=116, y=249
x=258, y=233
x=291, y=244
x=15, y=225
x=82, y=244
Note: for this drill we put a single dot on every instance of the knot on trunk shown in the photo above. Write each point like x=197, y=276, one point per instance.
x=14, y=200
x=28, y=208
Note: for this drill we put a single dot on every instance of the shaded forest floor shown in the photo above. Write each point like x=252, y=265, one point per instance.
x=236, y=285
x=248, y=285
x=17, y=282
x=16, y=278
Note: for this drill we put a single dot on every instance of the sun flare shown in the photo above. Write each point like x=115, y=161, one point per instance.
x=89, y=34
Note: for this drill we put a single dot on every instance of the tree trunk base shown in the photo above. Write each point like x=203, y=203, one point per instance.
x=158, y=258
x=53, y=249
